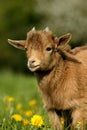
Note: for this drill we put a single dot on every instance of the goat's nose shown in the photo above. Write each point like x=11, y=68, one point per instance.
x=31, y=61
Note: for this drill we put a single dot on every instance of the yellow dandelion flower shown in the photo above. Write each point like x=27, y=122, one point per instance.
x=28, y=113
x=17, y=117
x=19, y=106
x=32, y=102
x=62, y=121
x=9, y=99
x=37, y=120
x=78, y=125
x=25, y=122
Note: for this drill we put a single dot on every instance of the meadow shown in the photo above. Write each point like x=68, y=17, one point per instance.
x=21, y=105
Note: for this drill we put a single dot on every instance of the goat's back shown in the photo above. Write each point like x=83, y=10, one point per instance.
x=82, y=56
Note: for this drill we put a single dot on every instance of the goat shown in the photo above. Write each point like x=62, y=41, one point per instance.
x=61, y=73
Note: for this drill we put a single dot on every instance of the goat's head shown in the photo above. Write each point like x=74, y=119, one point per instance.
x=41, y=47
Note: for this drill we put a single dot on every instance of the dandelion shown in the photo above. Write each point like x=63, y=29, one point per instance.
x=19, y=106
x=37, y=120
x=78, y=125
x=28, y=113
x=9, y=99
x=25, y=122
x=32, y=102
x=17, y=117
x=79, y=122
x=62, y=121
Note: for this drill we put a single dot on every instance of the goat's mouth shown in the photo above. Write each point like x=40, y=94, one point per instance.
x=33, y=67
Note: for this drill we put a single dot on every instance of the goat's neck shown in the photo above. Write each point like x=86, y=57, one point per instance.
x=46, y=77
x=48, y=81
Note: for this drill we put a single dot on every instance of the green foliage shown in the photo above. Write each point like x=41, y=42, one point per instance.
x=18, y=17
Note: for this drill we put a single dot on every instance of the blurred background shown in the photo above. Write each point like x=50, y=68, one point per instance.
x=18, y=17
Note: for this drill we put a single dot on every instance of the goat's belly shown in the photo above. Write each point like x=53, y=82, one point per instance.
x=65, y=104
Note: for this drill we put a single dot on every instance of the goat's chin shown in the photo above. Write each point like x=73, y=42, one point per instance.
x=33, y=69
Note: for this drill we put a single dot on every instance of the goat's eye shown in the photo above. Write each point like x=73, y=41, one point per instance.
x=48, y=49
x=25, y=49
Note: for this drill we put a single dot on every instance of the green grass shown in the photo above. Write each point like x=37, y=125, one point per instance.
x=19, y=89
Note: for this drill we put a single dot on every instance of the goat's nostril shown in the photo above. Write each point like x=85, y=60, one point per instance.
x=31, y=61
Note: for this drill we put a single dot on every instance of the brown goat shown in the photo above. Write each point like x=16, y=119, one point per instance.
x=61, y=74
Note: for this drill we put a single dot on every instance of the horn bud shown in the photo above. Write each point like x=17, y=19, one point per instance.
x=47, y=29
x=33, y=29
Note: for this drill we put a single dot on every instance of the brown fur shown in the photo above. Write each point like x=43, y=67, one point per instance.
x=78, y=49
x=61, y=76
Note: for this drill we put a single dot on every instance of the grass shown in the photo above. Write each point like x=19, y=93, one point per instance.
x=19, y=96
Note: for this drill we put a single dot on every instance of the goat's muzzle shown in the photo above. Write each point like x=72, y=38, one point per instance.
x=33, y=64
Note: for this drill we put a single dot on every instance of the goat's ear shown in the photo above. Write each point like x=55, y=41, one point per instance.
x=20, y=44
x=64, y=39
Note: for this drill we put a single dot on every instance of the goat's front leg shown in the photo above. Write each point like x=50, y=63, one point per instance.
x=77, y=120
x=55, y=120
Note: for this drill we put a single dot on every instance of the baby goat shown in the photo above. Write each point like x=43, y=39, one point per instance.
x=61, y=74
